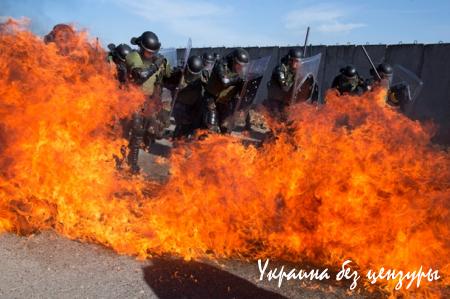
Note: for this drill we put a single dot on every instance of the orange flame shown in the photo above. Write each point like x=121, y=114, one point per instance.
x=353, y=179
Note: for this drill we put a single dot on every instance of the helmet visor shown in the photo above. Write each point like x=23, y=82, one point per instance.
x=241, y=68
x=295, y=63
x=147, y=49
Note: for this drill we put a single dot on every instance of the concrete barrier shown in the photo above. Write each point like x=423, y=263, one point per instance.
x=409, y=56
x=360, y=61
x=434, y=101
x=336, y=57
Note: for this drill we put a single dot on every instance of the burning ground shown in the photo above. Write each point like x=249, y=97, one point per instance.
x=353, y=179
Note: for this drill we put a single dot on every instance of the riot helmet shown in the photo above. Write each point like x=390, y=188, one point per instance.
x=60, y=33
x=194, y=67
x=208, y=61
x=350, y=76
x=349, y=71
x=294, y=57
x=121, y=51
x=148, y=42
x=208, y=58
x=240, y=61
x=194, y=64
x=385, y=70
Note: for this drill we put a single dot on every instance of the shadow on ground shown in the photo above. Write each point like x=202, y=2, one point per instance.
x=173, y=279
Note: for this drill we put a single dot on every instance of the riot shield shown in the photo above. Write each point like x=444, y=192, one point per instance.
x=405, y=86
x=253, y=77
x=182, y=61
x=306, y=79
x=171, y=55
x=252, y=74
x=187, y=52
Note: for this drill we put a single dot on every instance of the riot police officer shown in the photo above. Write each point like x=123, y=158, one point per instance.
x=118, y=54
x=385, y=71
x=224, y=85
x=280, y=86
x=64, y=37
x=70, y=43
x=208, y=60
x=349, y=82
x=148, y=69
x=189, y=97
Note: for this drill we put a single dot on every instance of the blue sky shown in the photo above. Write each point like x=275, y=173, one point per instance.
x=244, y=23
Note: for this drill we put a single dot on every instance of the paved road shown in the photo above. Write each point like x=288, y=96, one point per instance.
x=49, y=266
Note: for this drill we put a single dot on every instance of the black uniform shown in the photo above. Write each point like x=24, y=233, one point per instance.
x=188, y=110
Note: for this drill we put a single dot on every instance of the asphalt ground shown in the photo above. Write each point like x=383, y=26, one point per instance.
x=47, y=265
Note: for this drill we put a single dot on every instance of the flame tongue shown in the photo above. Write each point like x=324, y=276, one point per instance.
x=353, y=180
x=57, y=136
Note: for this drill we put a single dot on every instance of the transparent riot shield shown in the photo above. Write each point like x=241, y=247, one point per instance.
x=405, y=85
x=306, y=79
x=187, y=52
x=182, y=61
x=254, y=75
x=171, y=55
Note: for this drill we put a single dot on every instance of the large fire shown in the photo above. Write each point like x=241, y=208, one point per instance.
x=351, y=180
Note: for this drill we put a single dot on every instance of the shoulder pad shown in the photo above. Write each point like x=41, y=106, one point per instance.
x=133, y=53
x=133, y=59
x=280, y=69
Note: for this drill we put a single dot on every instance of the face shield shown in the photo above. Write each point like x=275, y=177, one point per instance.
x=241, y=68
x=295, y=63
x=386, y=78
x=208, y=64
x=148, y=53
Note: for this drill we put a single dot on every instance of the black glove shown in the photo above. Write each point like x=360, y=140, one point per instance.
x=122, y=73
x=158, y=62
x=140, y=75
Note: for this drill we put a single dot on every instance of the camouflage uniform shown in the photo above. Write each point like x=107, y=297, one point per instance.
x=157, y=119
x=280, y=88
x=222, y=89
